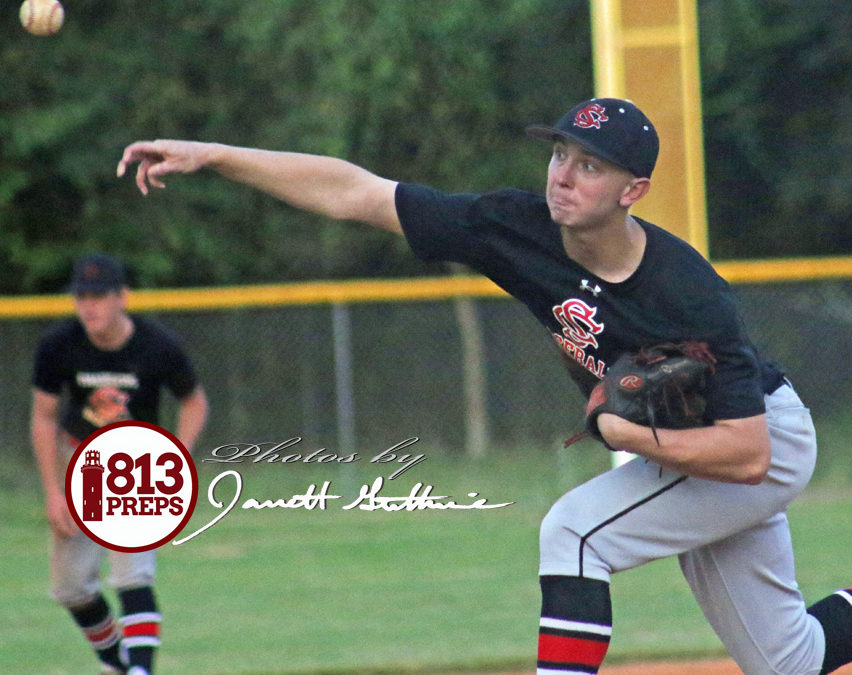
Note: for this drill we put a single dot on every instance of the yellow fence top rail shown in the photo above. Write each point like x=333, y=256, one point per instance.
x=387, y=290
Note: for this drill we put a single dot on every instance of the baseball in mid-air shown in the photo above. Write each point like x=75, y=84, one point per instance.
x=42, y=17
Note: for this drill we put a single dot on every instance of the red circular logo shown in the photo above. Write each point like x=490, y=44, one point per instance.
x=631, y=382
x=131, y=486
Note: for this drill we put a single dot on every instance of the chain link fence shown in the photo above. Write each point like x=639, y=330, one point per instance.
x=365, y=376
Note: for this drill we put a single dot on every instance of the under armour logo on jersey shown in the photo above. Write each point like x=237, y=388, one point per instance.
x=586, y=286
x=591, y=116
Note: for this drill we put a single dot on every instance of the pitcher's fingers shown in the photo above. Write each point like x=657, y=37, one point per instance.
x=128, y=157
x=142, y=176
x=160, y=168
x=137, y=152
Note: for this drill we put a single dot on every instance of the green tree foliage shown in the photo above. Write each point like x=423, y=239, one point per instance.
x=777, y=80
x=435, y=91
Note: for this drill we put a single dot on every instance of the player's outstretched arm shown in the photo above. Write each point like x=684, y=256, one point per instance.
x=324, y=185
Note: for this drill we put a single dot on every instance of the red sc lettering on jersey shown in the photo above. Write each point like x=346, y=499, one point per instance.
x=578, y=323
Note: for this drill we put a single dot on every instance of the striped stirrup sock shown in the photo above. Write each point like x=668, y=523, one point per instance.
x=140, y=627
x=100, y=629
x=141, y=630
x=575, y=627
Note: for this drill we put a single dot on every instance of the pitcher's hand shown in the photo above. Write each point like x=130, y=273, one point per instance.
x=160, y=158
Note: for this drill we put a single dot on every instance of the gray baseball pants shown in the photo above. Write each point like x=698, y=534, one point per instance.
x=732, y=541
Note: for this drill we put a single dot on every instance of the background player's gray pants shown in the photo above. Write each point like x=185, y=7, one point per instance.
x=75, y=563
x=75, y=566
x=732, y=541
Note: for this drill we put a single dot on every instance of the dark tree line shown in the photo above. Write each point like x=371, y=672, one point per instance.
x=435, y=91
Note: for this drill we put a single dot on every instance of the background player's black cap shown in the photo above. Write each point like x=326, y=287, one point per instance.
x=97, y=273
x=613, y=129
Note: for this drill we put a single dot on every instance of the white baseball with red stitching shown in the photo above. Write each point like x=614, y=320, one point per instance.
x=42, y=17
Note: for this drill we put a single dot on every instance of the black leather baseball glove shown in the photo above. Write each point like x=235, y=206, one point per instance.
x=660, y=386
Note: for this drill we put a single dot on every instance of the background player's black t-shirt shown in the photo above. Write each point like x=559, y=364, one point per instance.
x=674, y=294
x=108, y=386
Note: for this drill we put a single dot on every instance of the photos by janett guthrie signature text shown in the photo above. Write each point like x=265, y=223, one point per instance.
x=370, y=497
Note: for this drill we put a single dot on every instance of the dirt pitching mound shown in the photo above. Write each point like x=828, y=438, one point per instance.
x=709, y=667
x=704, y=667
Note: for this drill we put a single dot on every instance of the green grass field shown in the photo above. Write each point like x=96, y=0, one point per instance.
x=297, y=591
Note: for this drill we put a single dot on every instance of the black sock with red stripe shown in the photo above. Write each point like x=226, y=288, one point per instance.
x=100, y=628
x=576, y=625
x=140, y=626
x=835, y=615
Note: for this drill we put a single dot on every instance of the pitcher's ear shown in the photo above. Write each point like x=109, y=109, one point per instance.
x=634, y=191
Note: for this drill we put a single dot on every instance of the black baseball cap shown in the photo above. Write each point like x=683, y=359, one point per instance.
x=613, y=129
x=97, y=273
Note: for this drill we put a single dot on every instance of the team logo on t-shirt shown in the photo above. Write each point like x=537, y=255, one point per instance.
x=578, y=321
x=105, y=406
x=579, y=333
x=131, y=486
x=109, y=398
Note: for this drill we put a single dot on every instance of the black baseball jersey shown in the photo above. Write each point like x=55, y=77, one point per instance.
x=674, y=294
x=109, y=386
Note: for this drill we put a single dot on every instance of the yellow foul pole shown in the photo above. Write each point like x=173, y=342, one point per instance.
x=647, y=51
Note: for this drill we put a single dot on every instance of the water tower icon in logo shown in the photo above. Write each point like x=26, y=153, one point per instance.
x=92, y=486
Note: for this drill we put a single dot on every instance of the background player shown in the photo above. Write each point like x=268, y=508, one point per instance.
x=111, y=366
x=604, y=283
